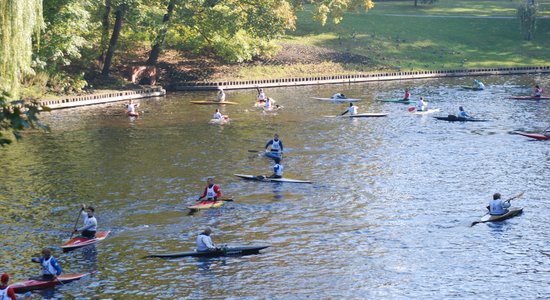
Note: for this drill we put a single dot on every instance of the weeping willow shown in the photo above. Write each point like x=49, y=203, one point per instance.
x=19, y=21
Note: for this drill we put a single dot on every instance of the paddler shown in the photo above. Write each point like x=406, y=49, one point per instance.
x=407, y=95
x=90, y=222
x=497, y=206
x=338, y=96
x=261, y=95
x=478, y=85
x=352, y=109
x=421, y=105
x=50, y=267
x=132, y=108
x=217, y=115
x=267, y=104
x=6, y=292
x=462, y=113
x=538, y=91
x=221, y=95
x=204, y=241
x=277, y=169
x=211, y=191
x=275, y=145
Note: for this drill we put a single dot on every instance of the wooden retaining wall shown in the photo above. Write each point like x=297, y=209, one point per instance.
x=104, y=98
x=361, y=77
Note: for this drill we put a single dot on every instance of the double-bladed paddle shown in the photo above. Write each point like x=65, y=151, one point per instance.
x=75, y=223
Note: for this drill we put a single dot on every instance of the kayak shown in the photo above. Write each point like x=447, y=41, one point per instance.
x=228, y=251
x=31, y=284
x=206, y=204
x=79, y=241
x=537, y=136
x=273, y=155
x=133, y=114
x=221, y=121
x=510, y=214
x=529, y=98
x=266, y=179
x=426, y=112
x=210, y=102
x=337, y=99
x=453, y=118
x=469, y=87
x=365, y=115
x=399, y=101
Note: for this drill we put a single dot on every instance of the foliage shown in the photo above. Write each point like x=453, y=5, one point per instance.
x=335, y=9
x=19, y=21
x=527, y=15
x=424, y=2
x=16, y=116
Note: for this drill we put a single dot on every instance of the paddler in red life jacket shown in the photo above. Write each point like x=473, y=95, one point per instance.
x=6, y=292
x=50, y=267
x=211, y=191
x=538, y=91
x=204, y=241
x=407, y=95
x=90, y=222
x=275, y=145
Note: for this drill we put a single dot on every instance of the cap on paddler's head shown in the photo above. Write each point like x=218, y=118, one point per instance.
x=5, y=278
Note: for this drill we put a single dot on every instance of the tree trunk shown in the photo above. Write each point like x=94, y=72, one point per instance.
x=105, y=25
x=415, y=2
x=157, y=47
x=119, y=17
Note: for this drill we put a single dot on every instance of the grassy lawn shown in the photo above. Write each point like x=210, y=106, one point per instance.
x=418, y=43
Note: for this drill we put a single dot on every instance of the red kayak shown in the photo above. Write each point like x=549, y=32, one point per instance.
x=31, y=284
x=529, y=98
x=80, y=241
x=537, y=136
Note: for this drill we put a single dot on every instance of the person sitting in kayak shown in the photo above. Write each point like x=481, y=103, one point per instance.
x=261, y=95
x=50, y=267
x=338, y=96
x=538, y=91
x=421, y=105
x=352, y=109
x=267, y=104
x=221, y=95
x=407, y=95
x=204, y=241
x=478, y=85
x=217, y=115
x=497, y=206
x=277, y=169
x=6, y=292
x=275, y=145
x=211, y=191
x=90, y=222
x=462, y=113
x=132, y=108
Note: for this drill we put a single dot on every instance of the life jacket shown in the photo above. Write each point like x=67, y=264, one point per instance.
x=47, y=267
x=276, y=146
x=4, y=293
x=352, y=110
x=210, y=193
x=278, y=170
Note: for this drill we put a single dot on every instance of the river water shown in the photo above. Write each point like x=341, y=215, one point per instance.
x=388, y=215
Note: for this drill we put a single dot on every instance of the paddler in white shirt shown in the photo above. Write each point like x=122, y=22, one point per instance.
x=352, y=109
x=421, y=105
x=90, y=223
x=204, y=241
x=221, y=95
x=276, y=146
x=217, y=115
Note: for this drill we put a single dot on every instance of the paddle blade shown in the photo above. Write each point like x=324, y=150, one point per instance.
x=253, y=151
x=412, y=109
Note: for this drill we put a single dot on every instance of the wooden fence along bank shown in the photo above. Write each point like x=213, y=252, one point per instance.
x=362, y=77
x=283, y=82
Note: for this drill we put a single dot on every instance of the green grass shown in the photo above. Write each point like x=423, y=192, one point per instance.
x=419, y=43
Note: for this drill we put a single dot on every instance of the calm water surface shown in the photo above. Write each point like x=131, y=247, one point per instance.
x=387, y=217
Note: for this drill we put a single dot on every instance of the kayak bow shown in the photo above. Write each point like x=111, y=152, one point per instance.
x=79, y=241
x=267, y=179
x=228, y=251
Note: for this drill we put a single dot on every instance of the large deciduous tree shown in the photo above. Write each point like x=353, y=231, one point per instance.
x=527, y=15
x=19, y=21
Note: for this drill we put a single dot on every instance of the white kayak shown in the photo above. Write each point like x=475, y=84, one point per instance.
x=267, y=179
x=365, y=115
x=426, y=112
x=337, y=99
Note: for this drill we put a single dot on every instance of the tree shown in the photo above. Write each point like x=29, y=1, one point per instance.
x=119, y=19
x=19, y=22
x=16, y=116
x=335, y=9
x=527, y=15
x=159, y=41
